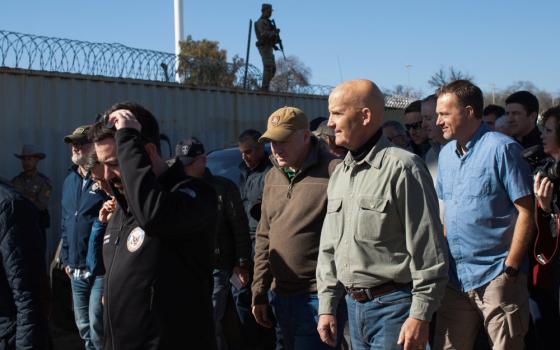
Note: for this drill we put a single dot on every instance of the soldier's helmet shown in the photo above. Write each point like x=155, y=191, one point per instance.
x=266, y=7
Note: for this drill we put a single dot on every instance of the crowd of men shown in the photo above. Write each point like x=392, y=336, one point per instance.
x=409, y=236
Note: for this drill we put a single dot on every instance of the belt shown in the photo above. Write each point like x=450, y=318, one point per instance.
x=366, y=294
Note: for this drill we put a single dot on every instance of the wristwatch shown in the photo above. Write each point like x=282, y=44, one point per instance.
x=511, y=271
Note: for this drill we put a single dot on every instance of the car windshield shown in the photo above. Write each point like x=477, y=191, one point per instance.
x=225, y=162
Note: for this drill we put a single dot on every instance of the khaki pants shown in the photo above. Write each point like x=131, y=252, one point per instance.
x=502, y=307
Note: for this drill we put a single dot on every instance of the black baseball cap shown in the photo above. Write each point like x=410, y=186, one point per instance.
x=187, y=150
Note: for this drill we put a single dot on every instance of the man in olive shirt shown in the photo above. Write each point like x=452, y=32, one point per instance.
x=382, y=239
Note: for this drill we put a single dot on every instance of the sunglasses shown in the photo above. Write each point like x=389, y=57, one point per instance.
x=106, y=122
x=413, y=126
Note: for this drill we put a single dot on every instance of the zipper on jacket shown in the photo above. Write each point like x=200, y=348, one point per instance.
x=109, y=279
x=152, y=292
x=289, y=194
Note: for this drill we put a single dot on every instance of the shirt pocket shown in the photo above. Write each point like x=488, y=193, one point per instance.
x=372, y=214
x=334, y=219
x=478, y=182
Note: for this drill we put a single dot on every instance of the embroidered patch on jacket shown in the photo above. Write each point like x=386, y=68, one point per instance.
x=135, y=239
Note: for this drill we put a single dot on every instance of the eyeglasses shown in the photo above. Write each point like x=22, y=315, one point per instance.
x=413, y=126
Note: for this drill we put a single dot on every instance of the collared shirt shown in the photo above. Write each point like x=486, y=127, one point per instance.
x=479, y=188
x=531, y=139
x=382, y=225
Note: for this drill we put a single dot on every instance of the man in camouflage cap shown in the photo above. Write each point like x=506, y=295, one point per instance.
x=33, y=184
x=267, y=38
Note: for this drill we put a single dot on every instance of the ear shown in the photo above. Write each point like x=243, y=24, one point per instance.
x=533, y=116
x=306, y=136
x=367, y=116
x=469, y=111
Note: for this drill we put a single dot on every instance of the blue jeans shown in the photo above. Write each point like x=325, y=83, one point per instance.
x=219, y=302
x=297, y=316
x=376, y=324
x=88, y=311
x=254, y=336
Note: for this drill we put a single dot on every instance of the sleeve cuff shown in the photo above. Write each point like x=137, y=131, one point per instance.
x=259, y=298
x=421, y=310
x=327, y=305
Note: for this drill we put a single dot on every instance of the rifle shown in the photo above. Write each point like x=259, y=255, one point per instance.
x=279, y=42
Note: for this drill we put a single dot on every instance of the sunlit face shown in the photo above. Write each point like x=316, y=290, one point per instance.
x=106, y=150
x=79, y=152
x=451, y=116
x=550, y=137
x=429, y=118
x=252, y=153
x=29, y=163
x=289, y=152
x=413, y=123
x=346, y=120
x=519, y=123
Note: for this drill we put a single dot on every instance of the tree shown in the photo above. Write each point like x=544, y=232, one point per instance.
x=291, y=75
x=202, y=62
x=546, y=98
x=406, y=91
x=442, y=77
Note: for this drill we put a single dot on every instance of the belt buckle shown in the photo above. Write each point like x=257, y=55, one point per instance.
x=360, y=296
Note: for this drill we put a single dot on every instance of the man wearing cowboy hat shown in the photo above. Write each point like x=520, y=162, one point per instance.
x=33, y=184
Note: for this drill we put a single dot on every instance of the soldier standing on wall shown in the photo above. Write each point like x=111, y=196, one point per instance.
x=267, y=38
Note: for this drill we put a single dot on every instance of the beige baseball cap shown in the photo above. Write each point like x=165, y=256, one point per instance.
x=283, y=122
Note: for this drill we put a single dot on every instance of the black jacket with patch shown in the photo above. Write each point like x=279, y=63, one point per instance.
x=156, y=251
x=232, y=244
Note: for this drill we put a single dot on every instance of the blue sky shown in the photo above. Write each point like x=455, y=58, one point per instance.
x=497, y=42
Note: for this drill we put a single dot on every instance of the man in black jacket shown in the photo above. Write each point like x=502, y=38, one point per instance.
x=232, y=247
x=23, y=323
x=155, y=249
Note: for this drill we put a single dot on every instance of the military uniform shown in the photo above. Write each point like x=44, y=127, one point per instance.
x=267, y=37
x=37, y=188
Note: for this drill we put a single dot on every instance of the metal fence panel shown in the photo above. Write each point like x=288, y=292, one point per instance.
x=41, y=108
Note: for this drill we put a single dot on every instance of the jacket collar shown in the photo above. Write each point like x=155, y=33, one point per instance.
x=531, y=139
x=373, y=158
x=482, y=129
x=173, y=175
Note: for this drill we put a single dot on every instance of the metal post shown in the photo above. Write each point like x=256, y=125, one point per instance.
x=178, y=15
x=247, y=57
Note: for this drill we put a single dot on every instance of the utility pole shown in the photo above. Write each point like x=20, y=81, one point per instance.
x=493, y=86
x=247, y=57
x=408, y=66
x=178, y=15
